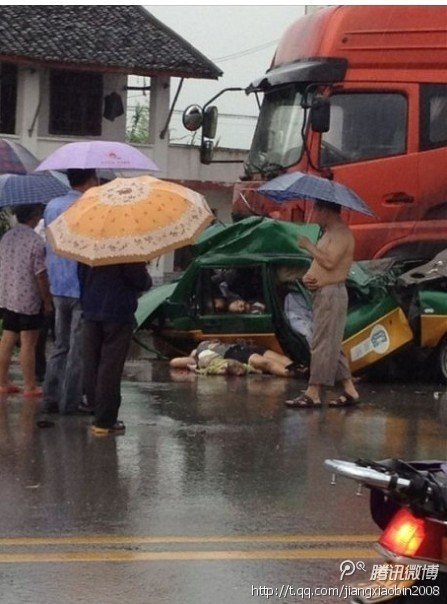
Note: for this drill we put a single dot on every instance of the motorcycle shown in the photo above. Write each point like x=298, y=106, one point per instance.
x=408, y=501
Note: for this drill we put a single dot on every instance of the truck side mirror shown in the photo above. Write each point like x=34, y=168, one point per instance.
x=210, y=122
x=206, y=151
x=320, y=113
x=192, y=117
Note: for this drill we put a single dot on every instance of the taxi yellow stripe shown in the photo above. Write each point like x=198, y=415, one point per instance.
x=433, y=329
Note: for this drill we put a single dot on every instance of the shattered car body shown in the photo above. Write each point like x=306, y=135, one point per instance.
x=258, y=260
x=423, y=290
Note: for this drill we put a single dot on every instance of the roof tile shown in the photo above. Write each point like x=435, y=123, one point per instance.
x=127, y=38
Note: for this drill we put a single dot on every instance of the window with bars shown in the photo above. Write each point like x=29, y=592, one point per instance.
x=76, y=100
x=8, y=97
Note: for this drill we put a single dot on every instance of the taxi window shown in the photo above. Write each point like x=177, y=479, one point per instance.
x=232, y=289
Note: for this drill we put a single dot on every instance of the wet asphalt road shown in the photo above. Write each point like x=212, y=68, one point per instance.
x=216, y=493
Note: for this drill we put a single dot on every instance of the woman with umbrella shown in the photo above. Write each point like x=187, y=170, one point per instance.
x=113, y=230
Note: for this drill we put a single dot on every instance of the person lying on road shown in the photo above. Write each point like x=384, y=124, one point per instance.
x=257, y=357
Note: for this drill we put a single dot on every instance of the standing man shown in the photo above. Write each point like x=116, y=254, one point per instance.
x=326, y=278
x=109, y=299
x=63, y=379
x=24, y=292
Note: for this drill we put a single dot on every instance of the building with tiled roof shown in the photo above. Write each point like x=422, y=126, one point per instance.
x=126, y=39
x=64, y=76
x=64, y=70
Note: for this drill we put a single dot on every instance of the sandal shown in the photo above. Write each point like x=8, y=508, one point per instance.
x=303, y=401
x=344, y=400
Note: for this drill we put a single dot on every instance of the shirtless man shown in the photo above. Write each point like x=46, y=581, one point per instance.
x=326, y=277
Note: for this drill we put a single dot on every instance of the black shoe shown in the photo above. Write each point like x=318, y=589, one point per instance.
x=86, y=409
x=298, y=370
x=44, y=423
x=51, y=409
x=117, y=428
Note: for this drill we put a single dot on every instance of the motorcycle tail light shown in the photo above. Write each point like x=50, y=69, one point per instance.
x=409, y=536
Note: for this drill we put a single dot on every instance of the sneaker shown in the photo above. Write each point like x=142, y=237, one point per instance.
x=117, y=428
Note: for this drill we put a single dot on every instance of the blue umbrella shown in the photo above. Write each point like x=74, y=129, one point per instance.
x=297, y=185
x=25, y=189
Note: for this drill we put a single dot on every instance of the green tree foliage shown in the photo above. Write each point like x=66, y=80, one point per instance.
x=138, y=130
x=5, y=224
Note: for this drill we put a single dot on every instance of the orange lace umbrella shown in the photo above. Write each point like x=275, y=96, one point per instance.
x=129, y=220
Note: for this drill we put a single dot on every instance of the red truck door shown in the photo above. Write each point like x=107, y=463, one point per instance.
x=372, y=148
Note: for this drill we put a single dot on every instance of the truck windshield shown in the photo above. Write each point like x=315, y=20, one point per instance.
x=364, y=126
x=277, y=139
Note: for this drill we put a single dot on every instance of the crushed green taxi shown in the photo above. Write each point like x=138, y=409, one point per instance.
x=266, y=264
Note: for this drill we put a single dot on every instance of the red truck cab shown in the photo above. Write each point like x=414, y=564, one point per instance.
x=383, y=70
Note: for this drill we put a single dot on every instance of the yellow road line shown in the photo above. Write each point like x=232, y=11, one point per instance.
x=133, y=540
x=113, y=556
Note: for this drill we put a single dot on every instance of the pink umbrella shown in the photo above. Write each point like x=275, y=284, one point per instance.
x=15, y=158
x=109, y=155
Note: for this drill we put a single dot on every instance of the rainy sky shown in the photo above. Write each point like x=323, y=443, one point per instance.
x=241, y=40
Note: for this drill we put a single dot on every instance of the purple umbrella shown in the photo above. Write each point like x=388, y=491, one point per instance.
x=15, y=158
x=109, y=155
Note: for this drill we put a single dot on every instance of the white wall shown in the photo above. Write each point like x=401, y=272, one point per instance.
x=185, y=162
x=177, y=162
x=33, y=112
